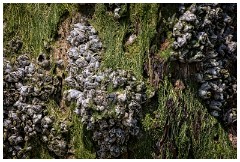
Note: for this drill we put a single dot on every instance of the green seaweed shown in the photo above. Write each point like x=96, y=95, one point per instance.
x=81, y=140
x=182, y=123
x=185, y=127
x=35, y=24
x=116, y=55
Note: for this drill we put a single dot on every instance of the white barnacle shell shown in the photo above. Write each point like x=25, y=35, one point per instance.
x=206, y=22
x=97, y=135
x=131, y=39
x=95, y=45
x=81, y=62
x=86, y=73
x=199, y=77
x=23, y=60
x=71, y=81
x=44, y=138
x=215, y=113
x=80, y=98
x=86, y=102
x=188, y=16
x=213, y=63
x=111, y=122
x=93, y=31
x=73, y=53
x=205, y=86
x=37, y=108
x=181, y=41
x=99, y=78
x=120, y=110
x=122, y=97
x=7, y=67
x=203, y=93
x=215, y=105
x=197, y=58
x=46, y=121
x=100, y=108
x=116, y=12
x=134, y=105
x=18, y=74
x=202, y=37
x=77, y=111
x=90, y=126
x=232, y=47
x=177, y=28
x=213, y=71
x=12, y=138
x=89, y=85
x=73, y=94
x=80, y=26
x=181, y=8
x=138, y=97
x=218, y=96
x=188, y=28
x=7, y=123
x=227, y=19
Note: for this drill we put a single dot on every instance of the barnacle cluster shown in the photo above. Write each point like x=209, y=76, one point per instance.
x=27, y=88
x=116, y=9
x=108, y=101
x=205, y=34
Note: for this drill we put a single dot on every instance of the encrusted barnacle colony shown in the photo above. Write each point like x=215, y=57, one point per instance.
x=206, y=34
x=108, y=102
x=24, y=117
x=111, y=115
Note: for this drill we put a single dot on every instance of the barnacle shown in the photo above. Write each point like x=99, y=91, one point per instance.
x=212, y=37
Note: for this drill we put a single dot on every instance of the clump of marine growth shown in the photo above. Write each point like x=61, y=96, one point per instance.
x=27, y=88
x=206, y=34
x=108, y=102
